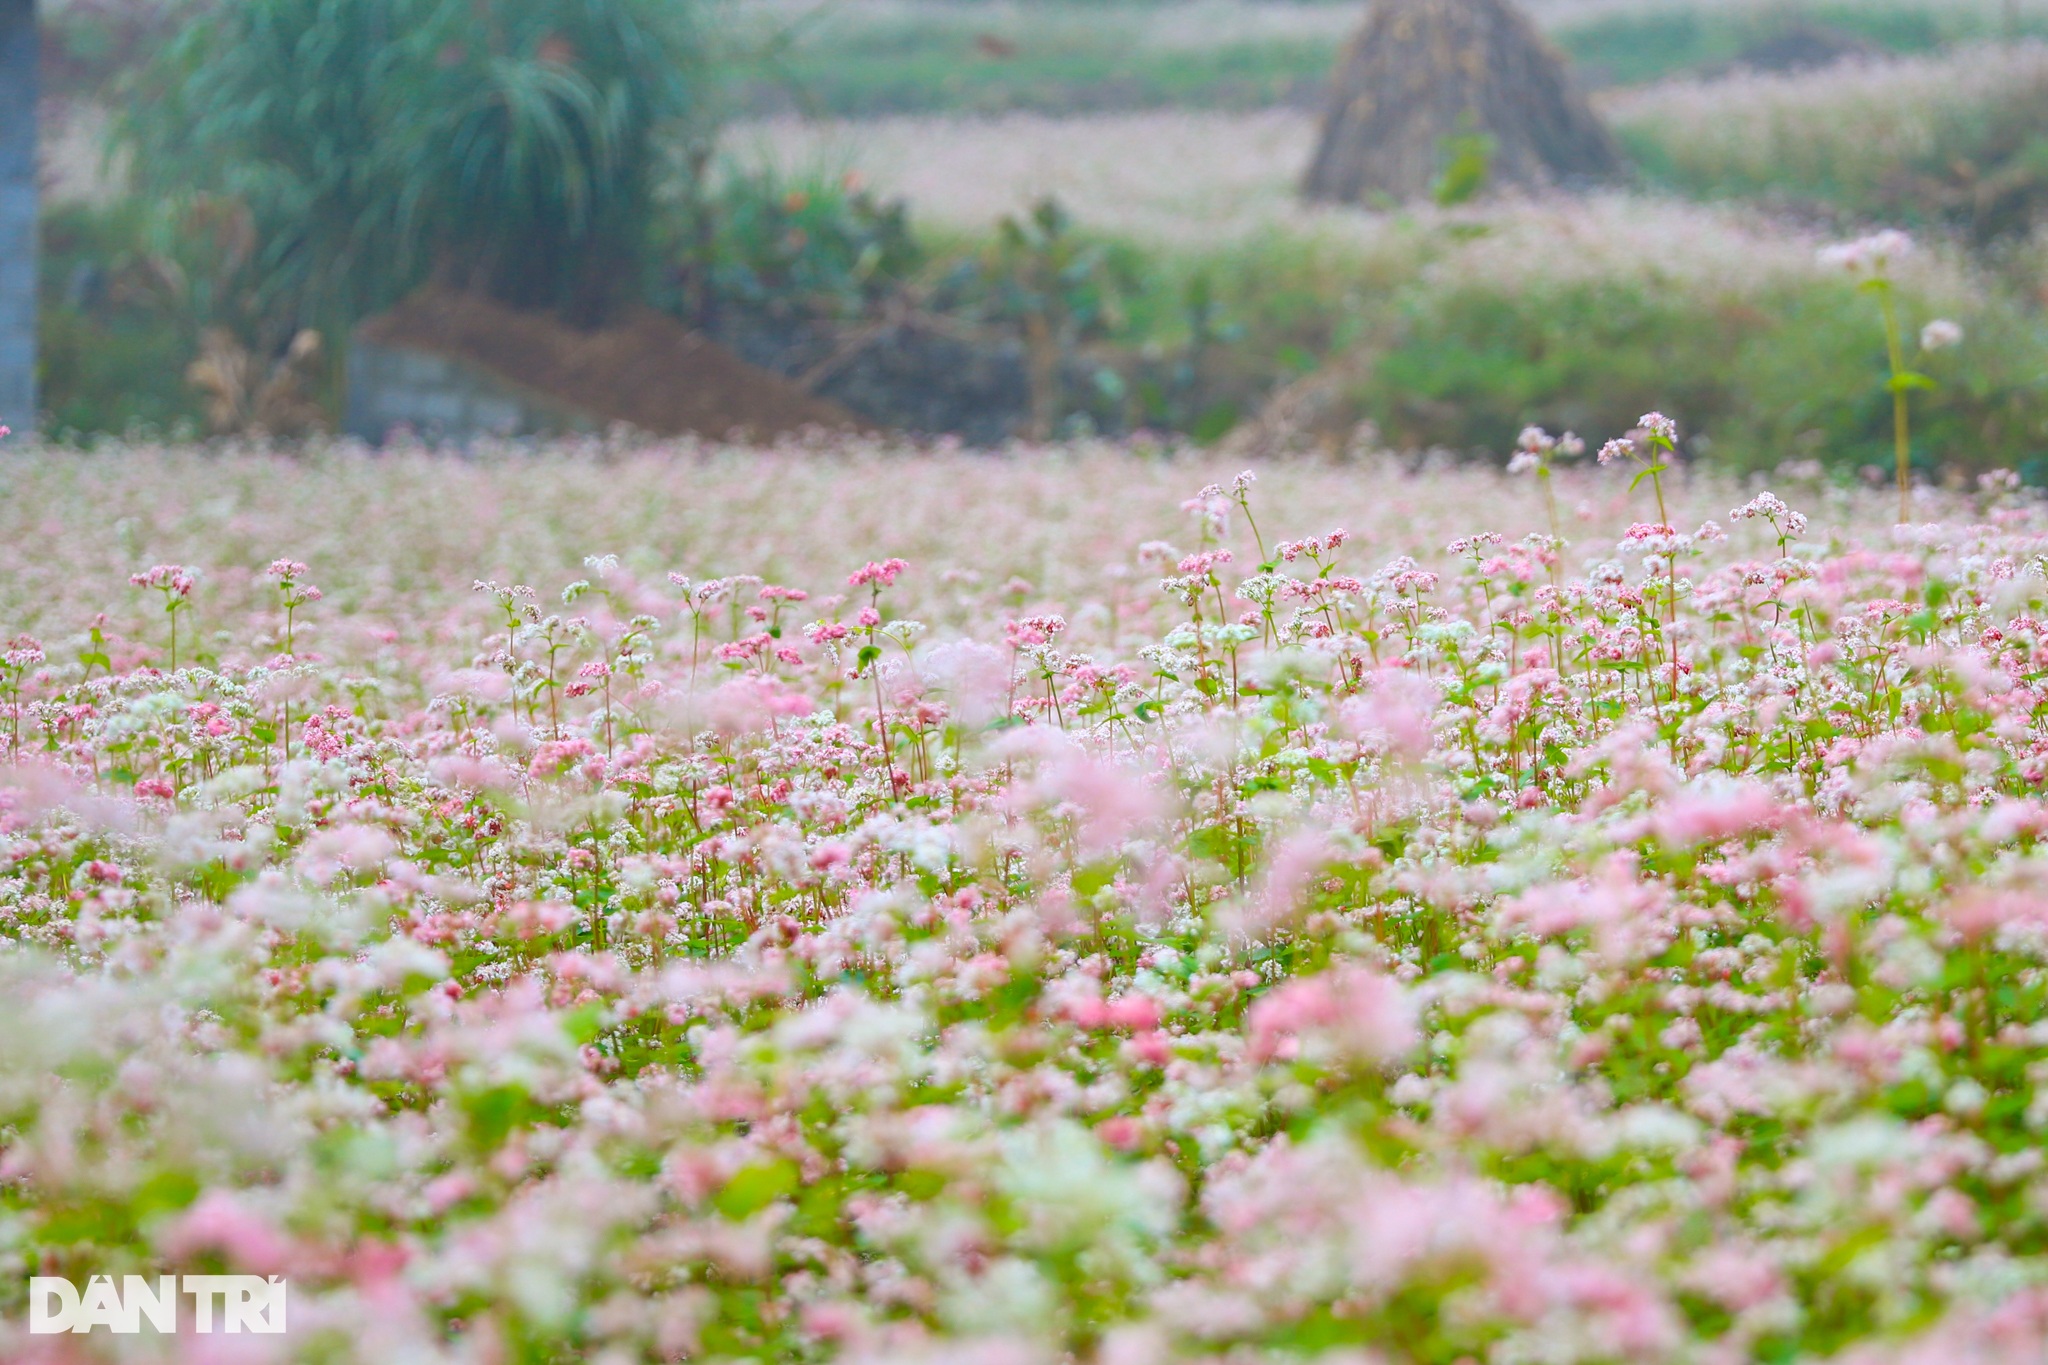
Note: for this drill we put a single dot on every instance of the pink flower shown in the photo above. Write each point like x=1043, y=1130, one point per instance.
x=345, y=848
x=173, y=579
x=1111, y=802
x=1981, y=912
x=883, y=574
x=1347, y=1014
x=1709, y=815
x=536, y=919
x=1396, y=713
x=755, y=702
x=222, y=1222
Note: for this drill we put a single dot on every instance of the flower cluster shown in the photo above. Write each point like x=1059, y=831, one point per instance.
x=1362, y=952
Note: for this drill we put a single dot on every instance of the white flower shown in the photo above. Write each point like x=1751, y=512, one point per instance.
x=1658, y=427
x=1940, y=334
x=1868, y=255
x=1772, y=509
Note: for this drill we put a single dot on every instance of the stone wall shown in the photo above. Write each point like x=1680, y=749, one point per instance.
x=17, y=214
x=436, y=398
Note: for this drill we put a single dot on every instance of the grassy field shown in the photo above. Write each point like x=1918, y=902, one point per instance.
x=1951, y=138
x=870, y=57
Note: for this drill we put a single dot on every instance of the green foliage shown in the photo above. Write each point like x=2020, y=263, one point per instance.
x=1789, y=373
x=508, y=142
x=1041, y=266
x=812, y=241
x=1763, y=372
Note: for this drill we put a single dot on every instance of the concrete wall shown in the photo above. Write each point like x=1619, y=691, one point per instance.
x=18, y=214
x=439, y=399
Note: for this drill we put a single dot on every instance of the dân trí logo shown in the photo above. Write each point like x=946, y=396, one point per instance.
x=219, y=1303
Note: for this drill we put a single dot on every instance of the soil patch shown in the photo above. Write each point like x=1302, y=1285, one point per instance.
x=644, y=368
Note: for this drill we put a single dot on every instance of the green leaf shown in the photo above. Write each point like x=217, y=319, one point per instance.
x=922, y=1184
x=1905, y=381
x=584, y=1023
x=493, y=1113
x=165, y=1192
x=1645, y=473
x=755, y=1187
x=1468, y=157
x=1093, y=877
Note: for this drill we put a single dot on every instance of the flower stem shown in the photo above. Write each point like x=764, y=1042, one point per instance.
x=1902, y=444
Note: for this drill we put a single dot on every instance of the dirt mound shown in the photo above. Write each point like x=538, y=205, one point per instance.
x=1425, y=76
x=644, y=368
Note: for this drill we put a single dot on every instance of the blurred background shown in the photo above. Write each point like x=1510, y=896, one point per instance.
x=1273, y=223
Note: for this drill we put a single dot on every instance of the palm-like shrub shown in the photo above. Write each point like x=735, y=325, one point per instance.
x=508, y=144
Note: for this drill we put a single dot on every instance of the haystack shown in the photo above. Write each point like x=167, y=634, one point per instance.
x=1428, y=87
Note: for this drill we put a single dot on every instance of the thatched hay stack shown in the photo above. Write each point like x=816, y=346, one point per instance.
x=1425, y=79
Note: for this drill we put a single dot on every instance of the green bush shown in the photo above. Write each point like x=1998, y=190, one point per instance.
x=815, y=243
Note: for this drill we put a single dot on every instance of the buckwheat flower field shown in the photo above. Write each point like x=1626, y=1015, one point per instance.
x=852, y=904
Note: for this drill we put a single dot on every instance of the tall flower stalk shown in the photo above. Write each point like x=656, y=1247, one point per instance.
x=175, y=582
x=1535, y=448
x=1659, y=438
x=1871, y=259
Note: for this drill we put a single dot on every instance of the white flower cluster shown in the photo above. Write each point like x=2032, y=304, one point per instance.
x=1771, y=508
x=1871, y=255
